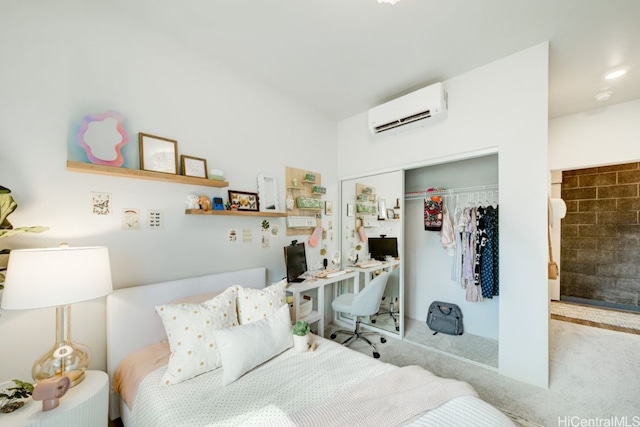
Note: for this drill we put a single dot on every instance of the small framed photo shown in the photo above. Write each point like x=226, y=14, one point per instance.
x=158, y=154
x=349, y=209
x=390, y=214
x=328, y=208
x=193, y=166
x=244, y=201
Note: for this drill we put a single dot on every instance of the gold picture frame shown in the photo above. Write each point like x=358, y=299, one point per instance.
x=158, y=154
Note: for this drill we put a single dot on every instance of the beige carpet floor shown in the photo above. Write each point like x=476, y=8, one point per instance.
x=593, y=372
x=617, y=320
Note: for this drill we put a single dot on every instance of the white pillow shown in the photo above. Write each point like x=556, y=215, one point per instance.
x=256, y=304
x=247, y=346
x=189, y=329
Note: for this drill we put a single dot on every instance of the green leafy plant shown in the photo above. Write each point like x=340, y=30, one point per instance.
x=301, y=328
x=7, y=206
x=9, y=398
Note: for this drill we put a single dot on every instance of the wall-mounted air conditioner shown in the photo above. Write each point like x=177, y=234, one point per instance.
x=419, y=108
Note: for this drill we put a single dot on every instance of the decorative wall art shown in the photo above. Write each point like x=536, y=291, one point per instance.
x=193, y=166
x=349, y=209
x=158, y=154
x=328, y=207
x=243, y=201
x=102, y=137
x=100, y=203
x=130, y=219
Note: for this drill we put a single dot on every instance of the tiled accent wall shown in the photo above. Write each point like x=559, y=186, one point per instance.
x=600, y=234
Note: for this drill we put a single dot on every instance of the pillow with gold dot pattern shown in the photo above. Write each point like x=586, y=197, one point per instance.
x=256, y=304
x=189, y=329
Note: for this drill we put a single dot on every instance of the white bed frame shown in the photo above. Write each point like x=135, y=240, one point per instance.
x=132, y=322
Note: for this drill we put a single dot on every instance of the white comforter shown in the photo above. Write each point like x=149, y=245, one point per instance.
x=287, y=383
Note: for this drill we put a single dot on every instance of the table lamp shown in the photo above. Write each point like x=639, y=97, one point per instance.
x=58, y=277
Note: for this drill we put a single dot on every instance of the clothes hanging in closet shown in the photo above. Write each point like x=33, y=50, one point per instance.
x=458, y=228
x=476, y=259
x=486, y=266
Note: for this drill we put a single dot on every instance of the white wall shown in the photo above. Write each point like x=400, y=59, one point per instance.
x=501, y=107
x=63, y=60
x=602, y=136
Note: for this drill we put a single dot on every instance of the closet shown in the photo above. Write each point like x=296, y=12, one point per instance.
x=429, y=273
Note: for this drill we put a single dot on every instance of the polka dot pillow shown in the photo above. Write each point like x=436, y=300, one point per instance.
x=256, y=304
x=189, y=329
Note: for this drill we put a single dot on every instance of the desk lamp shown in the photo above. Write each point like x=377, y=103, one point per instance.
x=58, y=277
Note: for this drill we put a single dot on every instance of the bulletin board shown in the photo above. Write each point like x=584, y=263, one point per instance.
x=305, y=187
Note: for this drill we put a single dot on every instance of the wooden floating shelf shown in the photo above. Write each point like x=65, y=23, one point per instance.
x=234, y=213
x=142, y=174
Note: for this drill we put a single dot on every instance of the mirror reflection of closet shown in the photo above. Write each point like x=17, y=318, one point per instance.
x=361, y=216
x=429, y=267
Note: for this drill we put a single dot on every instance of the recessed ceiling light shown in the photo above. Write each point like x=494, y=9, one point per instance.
x=603, y=95
x=388, y=1
x=614, y=74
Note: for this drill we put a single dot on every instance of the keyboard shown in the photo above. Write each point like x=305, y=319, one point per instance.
x=371, y=263
x=327, y=274
x=336, y=273
x=301, y=221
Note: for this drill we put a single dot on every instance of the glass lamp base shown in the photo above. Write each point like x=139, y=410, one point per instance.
x=66, y=358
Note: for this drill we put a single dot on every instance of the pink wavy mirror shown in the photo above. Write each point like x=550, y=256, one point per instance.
x=102, y=137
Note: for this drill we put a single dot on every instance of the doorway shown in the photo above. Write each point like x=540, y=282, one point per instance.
x=600, y=237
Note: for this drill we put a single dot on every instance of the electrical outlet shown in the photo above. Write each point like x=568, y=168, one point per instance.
x=155, y=219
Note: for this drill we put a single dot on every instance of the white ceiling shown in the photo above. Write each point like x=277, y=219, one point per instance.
x=343, y=57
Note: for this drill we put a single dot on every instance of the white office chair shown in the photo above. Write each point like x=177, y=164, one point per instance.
x=364, y=303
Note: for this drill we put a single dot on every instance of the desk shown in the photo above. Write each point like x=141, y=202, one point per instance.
x=366, y=271
x=84, y=405
x=310, y=284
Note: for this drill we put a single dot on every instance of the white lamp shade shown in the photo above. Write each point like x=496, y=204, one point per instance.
x=51, y=277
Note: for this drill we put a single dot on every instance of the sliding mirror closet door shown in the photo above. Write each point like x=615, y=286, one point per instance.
x=371, y=239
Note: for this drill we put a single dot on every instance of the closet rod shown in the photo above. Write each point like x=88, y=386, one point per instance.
x=412, y=195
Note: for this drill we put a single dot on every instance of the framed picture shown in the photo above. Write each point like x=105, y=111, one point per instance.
x=328, y=208
x=390, y=214
x=158, y=154
x=244, y=201
x=193, y=166
x=349, y=209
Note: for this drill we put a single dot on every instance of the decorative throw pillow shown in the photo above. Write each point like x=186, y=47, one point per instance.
x=256, y=304
x=189, y=329
x=249, y=345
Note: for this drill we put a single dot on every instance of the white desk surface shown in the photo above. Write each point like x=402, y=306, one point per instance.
x=318, y=316
x=383, y=265
x=315, y=283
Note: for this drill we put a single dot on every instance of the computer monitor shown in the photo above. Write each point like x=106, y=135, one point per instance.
x=295, y=259
x=381, y=247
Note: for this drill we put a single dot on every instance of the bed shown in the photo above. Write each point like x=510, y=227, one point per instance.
x=332, y=385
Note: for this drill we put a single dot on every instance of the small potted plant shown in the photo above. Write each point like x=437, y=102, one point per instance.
x=11, y=397
x=301, y=336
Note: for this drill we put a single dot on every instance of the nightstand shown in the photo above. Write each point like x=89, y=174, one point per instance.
x=84, y=405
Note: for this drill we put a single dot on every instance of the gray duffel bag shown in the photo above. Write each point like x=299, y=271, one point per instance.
x=445, y=317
